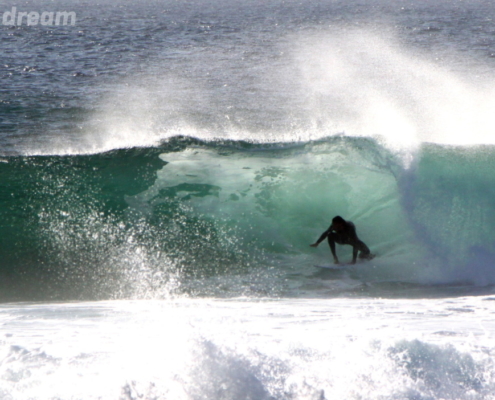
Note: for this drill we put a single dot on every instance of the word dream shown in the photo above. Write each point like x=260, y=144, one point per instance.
x=14, y=18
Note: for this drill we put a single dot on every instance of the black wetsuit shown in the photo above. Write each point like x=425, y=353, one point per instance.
x=346, y=236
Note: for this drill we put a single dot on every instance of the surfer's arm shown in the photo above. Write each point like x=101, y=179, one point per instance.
x=354, y=254
x=354, y=240
x=322, y=237
x=334, y=253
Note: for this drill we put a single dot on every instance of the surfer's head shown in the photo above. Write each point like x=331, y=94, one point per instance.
x=338, y=222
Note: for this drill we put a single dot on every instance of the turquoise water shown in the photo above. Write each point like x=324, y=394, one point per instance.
x=192, y=210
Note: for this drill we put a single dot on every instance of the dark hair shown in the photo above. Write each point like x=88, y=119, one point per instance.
x=338, y=219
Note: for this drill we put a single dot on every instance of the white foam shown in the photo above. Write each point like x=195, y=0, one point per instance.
x=187, y=349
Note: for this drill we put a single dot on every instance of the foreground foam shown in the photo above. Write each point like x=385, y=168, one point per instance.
x=240, y=349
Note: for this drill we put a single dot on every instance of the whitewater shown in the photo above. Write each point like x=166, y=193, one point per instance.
x=164, y=167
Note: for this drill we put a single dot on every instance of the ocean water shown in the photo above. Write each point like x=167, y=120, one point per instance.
x=164, y=166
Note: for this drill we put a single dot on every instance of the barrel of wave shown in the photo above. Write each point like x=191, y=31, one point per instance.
x=277, y=200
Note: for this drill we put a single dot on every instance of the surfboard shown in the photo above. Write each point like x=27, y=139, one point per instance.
x=338, y=267
x=342, y=266
x=347, y=265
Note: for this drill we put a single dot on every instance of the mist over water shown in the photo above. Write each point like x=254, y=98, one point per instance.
x=368, y=84
x=404, y=73
x=341, y=81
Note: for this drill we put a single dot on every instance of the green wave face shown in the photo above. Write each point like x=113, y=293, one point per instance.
x=449, y=198
x=147, y=222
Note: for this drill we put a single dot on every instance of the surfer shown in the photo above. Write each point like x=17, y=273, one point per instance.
x=344, y=232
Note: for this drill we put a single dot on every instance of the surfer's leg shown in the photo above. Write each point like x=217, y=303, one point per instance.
x=364, y=251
